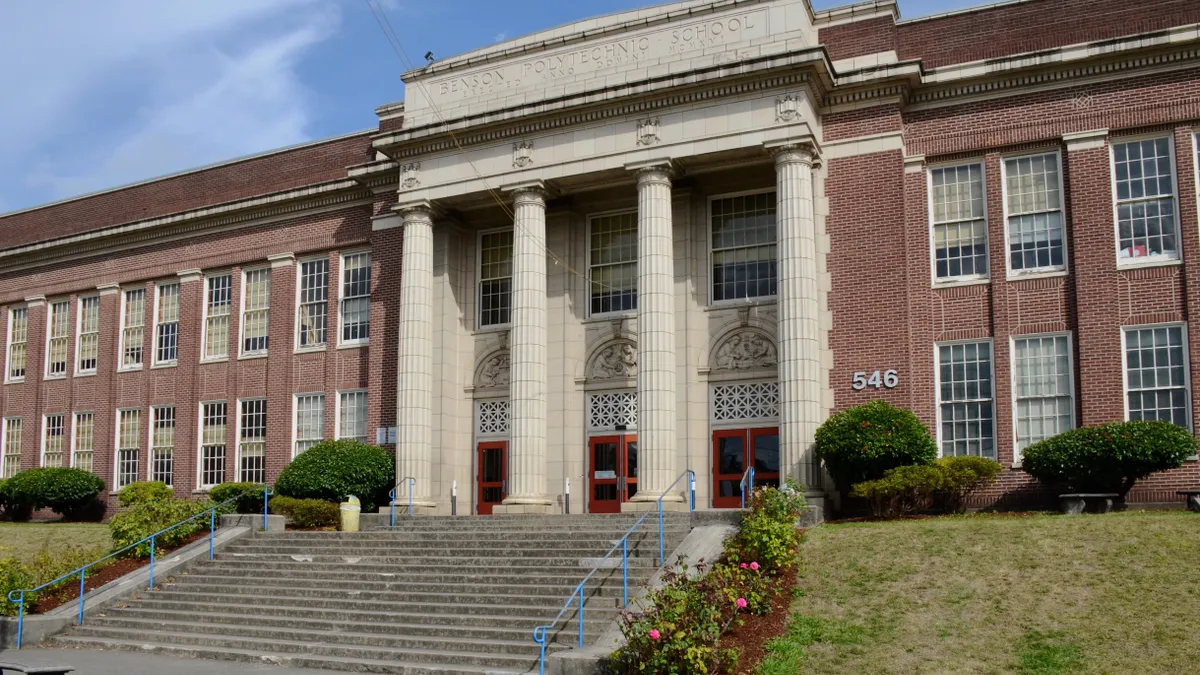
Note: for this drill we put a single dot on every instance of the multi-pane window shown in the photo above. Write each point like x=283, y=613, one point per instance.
x=129, y=431
x=56, y=346
x=88, y=344
x=1042, y=384
x=1156, y=378
x=356, y=298
x=18, y=334
x=965, y=399
x=495, y=278
x=84, y=442
x=744, y=240
x=1144, y=176
x=212, y=443
x=352, y=415
x=162, y=443
x=52, y=441
x=133, y=326
x=256, y=311
x=313, y=305
x=252, y=441
x=166, y=331
x=218, y=298
x=10, y=454
x=613, y=271
x=310, y=421
x=959, y=223
x=1035, y=218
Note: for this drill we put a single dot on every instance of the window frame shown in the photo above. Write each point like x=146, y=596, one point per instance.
x=1012, y=369
x=296, y=418
x=1187, y=365
x=5, y=424
x=708, y=245
x=341, y=299
x=337, y=420
x=204, y=316
x=158, y=286
x=118, y=448
x=1037, y=272
x=75, y=416
x=1144, y=261
x=46, y=375
x=8, y=344
x=591, y=217
x=479, y=327
x=150, y=447
x=300, y=263
x=241, y=351
x=937, y=391
x=44, y=437
x=241, y=402
x=962, y=280
x=79, y=334
x=200, y=484
x=121, y=343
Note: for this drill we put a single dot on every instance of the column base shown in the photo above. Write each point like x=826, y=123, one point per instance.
x=518, y=509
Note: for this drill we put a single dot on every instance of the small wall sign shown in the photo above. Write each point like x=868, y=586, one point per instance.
x=888, y=379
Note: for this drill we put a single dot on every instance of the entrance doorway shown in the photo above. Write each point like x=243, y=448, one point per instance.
x=612, y=479
x=734, y=450
x=492, y=462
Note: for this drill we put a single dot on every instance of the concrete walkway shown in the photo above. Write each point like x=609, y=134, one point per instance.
x=95, y=662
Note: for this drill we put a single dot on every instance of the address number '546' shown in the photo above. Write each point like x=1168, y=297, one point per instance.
x=889, y=379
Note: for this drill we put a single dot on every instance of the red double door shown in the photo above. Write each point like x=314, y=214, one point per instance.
x=492, y=468
x=735, y=450
x=612, y=472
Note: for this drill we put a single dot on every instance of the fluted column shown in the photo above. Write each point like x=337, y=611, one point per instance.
x=656, y=337
x=799, y=308
x=528, y=355
x=414, y=366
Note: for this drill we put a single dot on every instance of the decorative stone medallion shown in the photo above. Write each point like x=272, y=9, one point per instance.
x=409, y=175
x=495, y=371
x=787, y=109
x=647, y=132
x=522, y=154
x=746, y=350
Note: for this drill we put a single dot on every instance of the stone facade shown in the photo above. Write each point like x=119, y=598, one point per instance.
x=662, y=240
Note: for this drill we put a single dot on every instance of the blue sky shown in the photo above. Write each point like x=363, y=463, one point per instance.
x=98, y=94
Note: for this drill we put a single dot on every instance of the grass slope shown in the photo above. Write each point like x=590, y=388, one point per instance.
x=24, y=540
x=1038, y=595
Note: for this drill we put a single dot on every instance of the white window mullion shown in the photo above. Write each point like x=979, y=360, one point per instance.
x=612, y=263
x=133, y=326
x=18, y=334
x=352, y=415
x=252, y=440
x=309, y=422
x=10, y=453
x=1157, y=382
x=958, y=216
x=52, y=440
x=256, y=311
x=355, y=305
x=162, y=444
x=966, y=410
x=1042, y=388
x=56, y=339
x=1033, y=207
x=744, y=247
x=129, y=434
x=213, y=421
x=1144, y=195
x=218, y=299
x=166, y=329
x=83, y=442
x=87, y=342
x=313, y=304
x=495, y=278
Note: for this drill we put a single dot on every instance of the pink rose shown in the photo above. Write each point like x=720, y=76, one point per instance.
x=744, y=565
x=754, y=566
x=654, y=634
x=741, y=603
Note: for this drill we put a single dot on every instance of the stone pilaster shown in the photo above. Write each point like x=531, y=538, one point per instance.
x=414, y=364
x=799, y=314
x=529, y=355
x=656, y=372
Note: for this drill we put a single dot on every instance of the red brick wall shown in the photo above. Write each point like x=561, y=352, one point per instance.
x=869, y=36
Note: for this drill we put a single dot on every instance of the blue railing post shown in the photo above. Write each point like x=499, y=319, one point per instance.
x=212, y=530
x=20, y=616
x=580, y=589
x=625, y=572
x=151, y=562
x=392, y=501
x=82, y=576
x=266, y=492
x=691, y=490
x=661, y=552
x=542, y=645
x=411, y=484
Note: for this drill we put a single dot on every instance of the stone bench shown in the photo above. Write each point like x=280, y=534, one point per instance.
x=1192, y=497
x=1075, y=504
x=9, y=667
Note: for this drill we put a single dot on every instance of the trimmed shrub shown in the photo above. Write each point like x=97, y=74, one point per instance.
x=14, y=576
x=146, y=518
x=963, y=475
x=942, y=486
x=249, y=497
x=307, y=513
x=1109, y=457
x=334, y=470
x=862, y=443
x=145, y=491
x=69, y=492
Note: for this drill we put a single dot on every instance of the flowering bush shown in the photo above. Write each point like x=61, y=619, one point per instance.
x=769, y=535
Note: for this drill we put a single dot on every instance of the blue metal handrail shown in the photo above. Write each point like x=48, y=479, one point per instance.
x=539, y=633
x=82, y=571
x=744, y=484
x=412, y=483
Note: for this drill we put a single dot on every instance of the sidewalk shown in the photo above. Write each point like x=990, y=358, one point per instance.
x=95, y=662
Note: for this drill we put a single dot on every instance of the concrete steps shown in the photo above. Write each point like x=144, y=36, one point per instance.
x=431, y=596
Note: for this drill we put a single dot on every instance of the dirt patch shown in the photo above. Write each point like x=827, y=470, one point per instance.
x=750, y=639
x=49, y=600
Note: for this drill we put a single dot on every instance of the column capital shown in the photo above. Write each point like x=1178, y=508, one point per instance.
x=652, y=170
x=418, y=211
x=529, y=192
x=794, y=152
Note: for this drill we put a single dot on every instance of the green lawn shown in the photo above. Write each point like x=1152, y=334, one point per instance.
x=24, y=540
x=1039, y=595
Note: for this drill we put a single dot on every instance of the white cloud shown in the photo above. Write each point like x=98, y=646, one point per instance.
x=126, y=90
x=500, y=37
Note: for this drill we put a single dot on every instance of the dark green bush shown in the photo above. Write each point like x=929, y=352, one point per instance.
x=941, y=487
x=145, y=491
x=146, y=518
x=249, y=497
x=864, y=442
x=307, y=513
x=334, y=470
x=1109, y=457
x=69, y=492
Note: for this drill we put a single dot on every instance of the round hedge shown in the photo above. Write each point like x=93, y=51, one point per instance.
x=249, y=497
x=145, y=491
x=69, y=492
x=334, y=470
x=1109, y=457
x=863, y=442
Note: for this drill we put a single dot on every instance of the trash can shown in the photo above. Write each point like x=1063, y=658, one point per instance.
x=349, y=511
